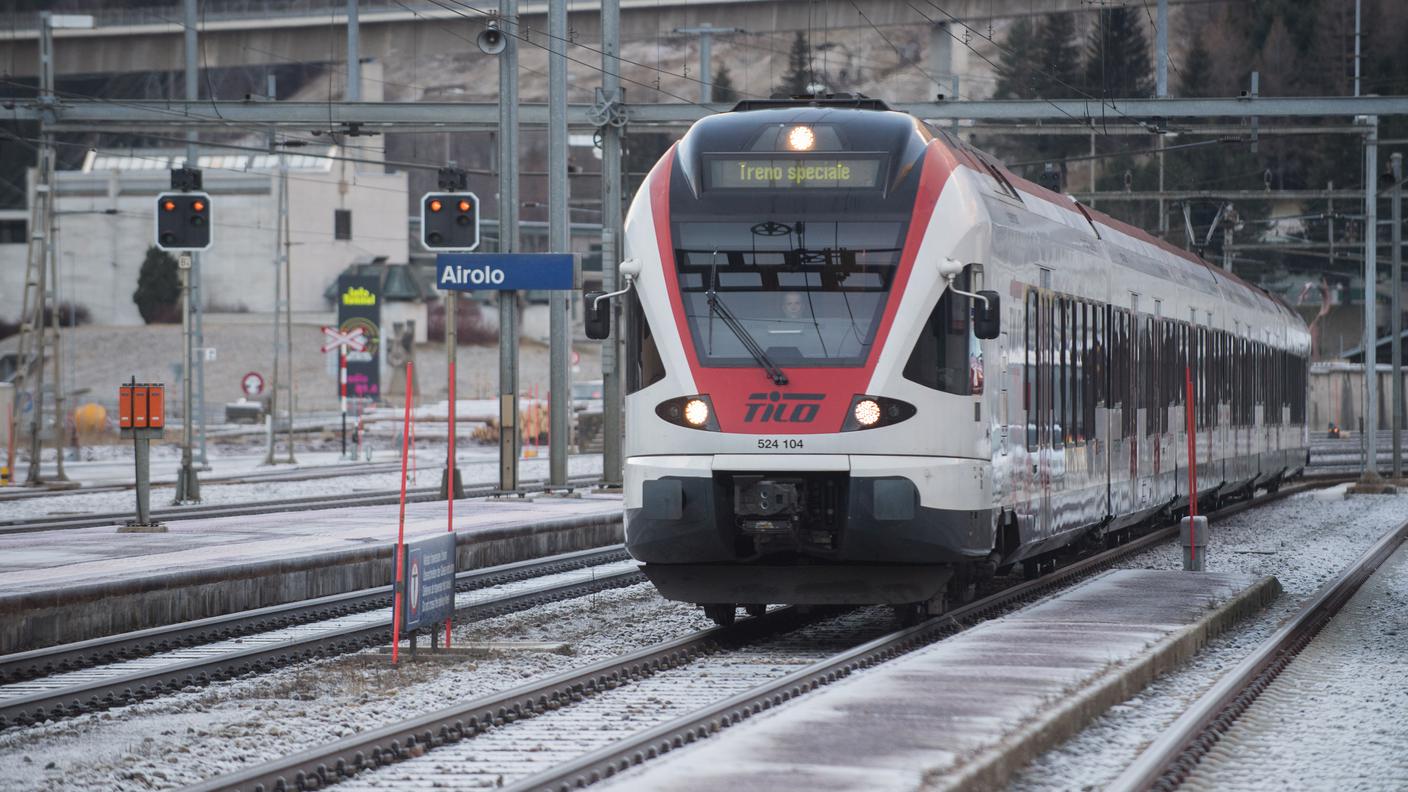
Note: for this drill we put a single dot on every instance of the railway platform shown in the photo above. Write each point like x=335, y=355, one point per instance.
x=969, y=711
x=77, y=584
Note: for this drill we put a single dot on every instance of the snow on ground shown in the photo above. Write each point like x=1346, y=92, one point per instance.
x=181, y=739
x=1337, y=718
x=1304, y=541
x=475, y=468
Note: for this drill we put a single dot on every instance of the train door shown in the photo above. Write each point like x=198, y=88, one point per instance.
x=1034, y=400
x=1050, y=429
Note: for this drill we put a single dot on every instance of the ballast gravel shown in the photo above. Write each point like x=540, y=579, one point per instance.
x=1319, y=725
x=1304, y=540
x=340, y=482
x=177, y=740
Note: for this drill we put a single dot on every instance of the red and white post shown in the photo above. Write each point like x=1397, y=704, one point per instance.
x=342, y=391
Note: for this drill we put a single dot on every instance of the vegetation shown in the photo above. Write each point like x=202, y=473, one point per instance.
x=158, y=294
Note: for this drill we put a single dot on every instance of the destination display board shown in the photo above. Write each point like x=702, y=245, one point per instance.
x=745, y=172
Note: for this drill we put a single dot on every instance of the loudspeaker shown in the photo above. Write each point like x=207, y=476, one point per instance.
x=492, y=41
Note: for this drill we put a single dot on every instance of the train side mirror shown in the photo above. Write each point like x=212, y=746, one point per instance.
x=987, y=315
x=597, y=315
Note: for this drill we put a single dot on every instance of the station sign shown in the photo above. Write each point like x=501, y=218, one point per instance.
x=430, y=582
x=507, y=271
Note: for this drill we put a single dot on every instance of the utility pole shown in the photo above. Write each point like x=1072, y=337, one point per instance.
x=290, y=387
x=612, y=118
x=353, y=93
x=1371, y=279
x=706, y=33
x=1396, y=312
x=1161, y=47
x=187, y=485
x=508, y=243
x=559, y=241
x=193, y=161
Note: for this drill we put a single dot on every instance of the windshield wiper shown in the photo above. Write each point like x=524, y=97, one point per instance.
x=749, y=343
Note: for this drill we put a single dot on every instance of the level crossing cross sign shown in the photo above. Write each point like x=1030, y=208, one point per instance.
x=354, y=340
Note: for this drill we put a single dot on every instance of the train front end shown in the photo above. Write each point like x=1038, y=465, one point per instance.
x=803, y=409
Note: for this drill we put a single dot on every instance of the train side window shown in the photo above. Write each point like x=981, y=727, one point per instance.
x=1050, y=346
x=643, y=364
x=1029, y=394
x=939, y=359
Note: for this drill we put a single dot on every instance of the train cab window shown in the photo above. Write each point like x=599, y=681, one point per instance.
x=1030, y=393
x=946, y=348
x=808, y=292
x=643, y=364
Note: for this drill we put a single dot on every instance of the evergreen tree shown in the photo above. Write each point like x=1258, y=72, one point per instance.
x=1117, y=62
x=799, y=68
x=1195, y=76
x=1015, y=68
x=158, y=293
x=722, y=89
x=1058, y=72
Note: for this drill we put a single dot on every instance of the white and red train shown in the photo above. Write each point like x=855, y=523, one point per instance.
x=865, y=363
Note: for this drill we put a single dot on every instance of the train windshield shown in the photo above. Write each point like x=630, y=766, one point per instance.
x=807, y=291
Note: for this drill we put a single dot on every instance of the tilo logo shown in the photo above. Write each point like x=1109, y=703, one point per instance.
x=777, y=407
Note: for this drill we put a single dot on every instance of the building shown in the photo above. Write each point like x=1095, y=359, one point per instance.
x=339, y=212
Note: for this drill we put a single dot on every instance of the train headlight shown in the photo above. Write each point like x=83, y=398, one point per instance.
x=691, y=412
x=867, y=412
x=872, y=412
x=696, y=412
x=801, y=138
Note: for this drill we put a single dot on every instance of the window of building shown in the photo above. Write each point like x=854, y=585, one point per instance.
x=12, y=232
x=342, y=224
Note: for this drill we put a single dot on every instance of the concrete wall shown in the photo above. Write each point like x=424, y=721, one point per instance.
x=106, y=225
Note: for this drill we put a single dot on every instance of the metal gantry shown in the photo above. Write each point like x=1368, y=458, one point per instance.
x=608, y=115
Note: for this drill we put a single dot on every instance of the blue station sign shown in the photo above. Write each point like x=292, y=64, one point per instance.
x=430, y=582
x=505, y=271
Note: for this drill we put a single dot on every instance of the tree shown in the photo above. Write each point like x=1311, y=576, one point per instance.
x=722, y=86
x=158, y=294
x=798, y=78
x=1117, y=62
x=1015, y=68
x=1057, y=58
x=1195, y=77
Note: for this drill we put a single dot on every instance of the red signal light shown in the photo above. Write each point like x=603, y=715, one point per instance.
x=435, y=205
x=168, y=205
x=198, y=205
x=464, y=205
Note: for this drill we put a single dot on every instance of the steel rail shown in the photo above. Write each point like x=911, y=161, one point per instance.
x=317, y=767
x=320, y=767
x=23, y=666
x=133, y=687
x=1176, y=752
x=256, y=477
x=310, y=503
x=697, y=725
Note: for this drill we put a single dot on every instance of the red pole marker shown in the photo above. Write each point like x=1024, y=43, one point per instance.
x=1192, y=458
x=450, y=479
x=401, y=530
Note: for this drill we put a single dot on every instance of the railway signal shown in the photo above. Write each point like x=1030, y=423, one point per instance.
x=449, y=221
x=183, y=221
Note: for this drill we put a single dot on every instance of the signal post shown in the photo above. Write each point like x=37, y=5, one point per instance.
x=141, y=410
x=449, y=221
x=183, y=225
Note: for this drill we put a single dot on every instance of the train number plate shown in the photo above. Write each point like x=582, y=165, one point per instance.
x=773, y=442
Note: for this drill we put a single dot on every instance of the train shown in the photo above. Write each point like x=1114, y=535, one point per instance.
x=866, y=363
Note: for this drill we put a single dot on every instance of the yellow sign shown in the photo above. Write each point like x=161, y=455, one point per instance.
x=357, y=295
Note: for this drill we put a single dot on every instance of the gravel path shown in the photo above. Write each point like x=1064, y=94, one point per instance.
x=1337, y=717
x=179, y=740
x=1304, y=541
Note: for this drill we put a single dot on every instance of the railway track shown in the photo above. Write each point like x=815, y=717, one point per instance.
x=1172, y=756
x=706, y=710
x=68, y=680
x=382, y=498
x=300, y=474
